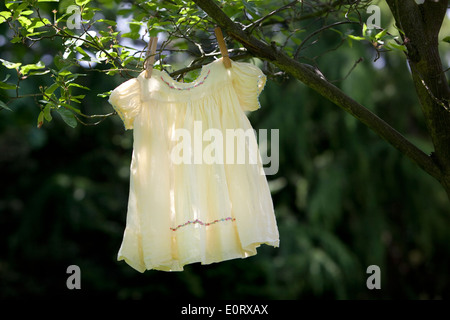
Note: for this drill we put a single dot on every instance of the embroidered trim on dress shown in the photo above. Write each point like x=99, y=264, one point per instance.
x=186, y=88
x=202, y=223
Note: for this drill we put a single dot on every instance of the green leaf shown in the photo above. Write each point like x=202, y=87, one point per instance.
x=64, y=73
x=74, y=76
x=297, y=41
x=7, y=86
x=112, y=72
x=338, y=32
x=37, y=23
x=38, y=73
x=82, y=2
x=110, y=22
x=124, y=54
x=397, y=46
x=83, y=53
x=155, y=30
x=101, y=56
x=364, y=30
x=357, y=38
x=350, y=42
x=16, y=39
x=78, y=86
x=380, y=35
x=4, y=106
x=47, y=113
x=69, y=107
x=11, y=4
x=51, y=89
x=60, y=62
x=446, y=39
x=10, y=65
x=40, y=120
x=135, y=27
x=26, y=12
x=36, y=33
x=104, y=94
x=88, y=13
x=77, y=98
x=4, y=15
x=27, y=68
x=24, y=21
x=17, y=9
x=67, y=116
x=399, y=30
x=251, y=8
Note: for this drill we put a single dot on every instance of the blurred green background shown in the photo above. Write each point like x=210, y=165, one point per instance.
x=344, y=199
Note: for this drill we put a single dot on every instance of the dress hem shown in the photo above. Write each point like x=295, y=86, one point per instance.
x=176, y=265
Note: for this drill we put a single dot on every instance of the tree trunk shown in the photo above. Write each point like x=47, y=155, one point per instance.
x=421, y=25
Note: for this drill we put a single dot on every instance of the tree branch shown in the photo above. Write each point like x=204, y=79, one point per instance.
x=315, y=81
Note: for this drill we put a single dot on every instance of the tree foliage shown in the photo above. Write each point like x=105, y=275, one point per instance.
x=96, y=43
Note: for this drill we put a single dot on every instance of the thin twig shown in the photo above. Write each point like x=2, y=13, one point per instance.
x=297, y=51
x=258, y=22
x=102, y=116
x=349, y=72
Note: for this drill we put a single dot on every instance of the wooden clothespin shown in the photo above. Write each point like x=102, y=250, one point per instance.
x=150, y=58
x=223, y=47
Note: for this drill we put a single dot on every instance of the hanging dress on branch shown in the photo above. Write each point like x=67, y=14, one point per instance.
x=193, y=197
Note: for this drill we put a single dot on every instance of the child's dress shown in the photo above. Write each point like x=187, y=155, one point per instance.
x=192, y=197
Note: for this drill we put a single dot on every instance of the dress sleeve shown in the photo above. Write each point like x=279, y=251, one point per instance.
x=248, y=82
x=126, y=100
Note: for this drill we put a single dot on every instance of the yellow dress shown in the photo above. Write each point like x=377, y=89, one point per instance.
x=184, y=208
